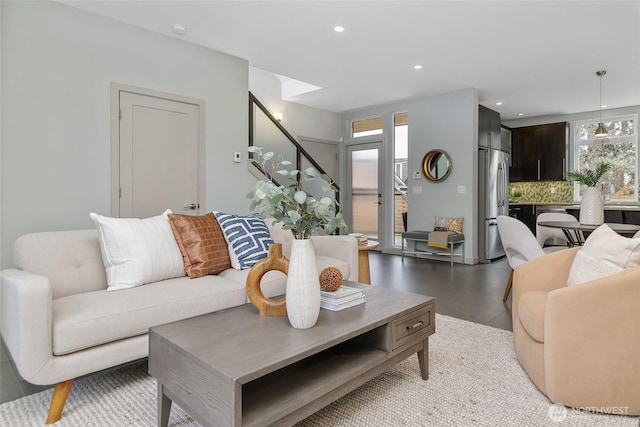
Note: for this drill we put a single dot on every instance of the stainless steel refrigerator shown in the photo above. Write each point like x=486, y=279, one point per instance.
x=493, y=200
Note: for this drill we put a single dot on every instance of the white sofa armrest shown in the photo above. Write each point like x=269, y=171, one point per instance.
x=26, y=320
x=340, y=247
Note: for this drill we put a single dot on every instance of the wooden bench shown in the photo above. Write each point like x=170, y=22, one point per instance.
x=423, y=236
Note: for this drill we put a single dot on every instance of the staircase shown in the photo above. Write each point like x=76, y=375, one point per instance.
x=267, y=132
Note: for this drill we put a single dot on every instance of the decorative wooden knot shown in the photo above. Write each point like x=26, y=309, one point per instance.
x=274, y=261
x=330, y=279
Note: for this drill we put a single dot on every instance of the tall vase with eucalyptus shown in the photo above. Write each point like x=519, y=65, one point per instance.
x=591, y=206
x=304, y=215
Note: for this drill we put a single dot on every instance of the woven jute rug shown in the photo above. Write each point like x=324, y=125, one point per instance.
x=475, y=380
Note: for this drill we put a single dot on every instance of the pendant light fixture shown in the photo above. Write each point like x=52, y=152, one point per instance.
x=601, y=132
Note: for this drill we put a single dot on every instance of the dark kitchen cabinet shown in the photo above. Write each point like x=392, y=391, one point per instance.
x=524, y=154
x=539, y=153
x=524, y=213
x=489, y=132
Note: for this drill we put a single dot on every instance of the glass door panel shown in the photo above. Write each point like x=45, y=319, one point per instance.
x=365, y=193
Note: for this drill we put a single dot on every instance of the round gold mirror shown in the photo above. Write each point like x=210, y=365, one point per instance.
x=436, y=165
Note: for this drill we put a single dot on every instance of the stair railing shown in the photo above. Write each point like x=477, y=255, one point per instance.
x=269, y=143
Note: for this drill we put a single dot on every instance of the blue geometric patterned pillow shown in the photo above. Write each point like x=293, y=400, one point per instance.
x=247, y=236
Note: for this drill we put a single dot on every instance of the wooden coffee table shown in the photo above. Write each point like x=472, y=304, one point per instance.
x=237, y=368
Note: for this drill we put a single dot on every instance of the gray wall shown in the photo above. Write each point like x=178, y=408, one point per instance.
x=299, y=120
x=57, y=66
x=449, y=122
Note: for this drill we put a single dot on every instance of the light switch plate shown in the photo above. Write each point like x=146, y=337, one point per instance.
x=417, y=189
x=462, y=189
x=416, y=175
x=237, y=157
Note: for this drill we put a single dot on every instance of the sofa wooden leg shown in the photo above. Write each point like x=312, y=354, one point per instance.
x=506, y=291
x=60, y=394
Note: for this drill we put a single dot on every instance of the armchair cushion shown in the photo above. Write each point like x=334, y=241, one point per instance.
x=531, y=309
x=604, y=253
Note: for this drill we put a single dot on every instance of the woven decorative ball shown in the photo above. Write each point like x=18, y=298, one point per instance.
x=330, y=279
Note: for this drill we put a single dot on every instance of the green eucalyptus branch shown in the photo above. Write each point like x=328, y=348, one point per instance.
x=289, y=204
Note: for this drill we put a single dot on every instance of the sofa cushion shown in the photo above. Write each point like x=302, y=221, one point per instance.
x=85, y=320
x=202, y=244
x=531, y=313
x=138, y=251
x=248, y=238
x=604, y=253
x=71, y=260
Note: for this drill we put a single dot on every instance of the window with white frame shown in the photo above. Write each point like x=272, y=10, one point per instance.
x=619, y=149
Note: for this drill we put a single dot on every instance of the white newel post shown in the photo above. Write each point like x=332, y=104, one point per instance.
x=303, y=285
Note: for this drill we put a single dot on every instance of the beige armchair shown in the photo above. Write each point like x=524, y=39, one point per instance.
x=580, y=345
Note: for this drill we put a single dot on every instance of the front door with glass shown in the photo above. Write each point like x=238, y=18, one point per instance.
x=365, y=189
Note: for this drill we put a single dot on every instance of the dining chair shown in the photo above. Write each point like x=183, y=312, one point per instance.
x=520, y=245
x=555, y=237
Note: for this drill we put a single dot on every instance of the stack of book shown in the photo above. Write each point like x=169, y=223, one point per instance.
x=361, y=238
x=343, y=297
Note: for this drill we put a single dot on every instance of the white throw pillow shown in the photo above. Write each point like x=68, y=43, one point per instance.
x=138, y=251
x=604, y=253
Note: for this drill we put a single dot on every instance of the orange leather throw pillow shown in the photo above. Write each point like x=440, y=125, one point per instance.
x=200, y=239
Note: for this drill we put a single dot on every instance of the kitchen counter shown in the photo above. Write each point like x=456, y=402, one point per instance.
x=527, y=212
x=608, y=206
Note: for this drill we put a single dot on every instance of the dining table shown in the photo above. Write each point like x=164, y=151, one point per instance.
x=573, y=230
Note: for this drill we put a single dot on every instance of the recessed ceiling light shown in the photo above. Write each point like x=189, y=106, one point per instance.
x=338, y=29
x=499, y=103
x=521, y=114
x=179, y=29
x=417, y=67
x=603, y=106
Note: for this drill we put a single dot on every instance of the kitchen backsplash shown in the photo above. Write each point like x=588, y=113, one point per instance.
x=542, y=192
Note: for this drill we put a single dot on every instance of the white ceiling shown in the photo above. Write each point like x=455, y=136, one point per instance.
x=537, y=57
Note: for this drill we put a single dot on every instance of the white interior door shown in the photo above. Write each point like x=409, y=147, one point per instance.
x=159, y=146
x=325, y=153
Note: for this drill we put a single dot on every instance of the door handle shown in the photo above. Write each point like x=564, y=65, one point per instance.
x=191, y=207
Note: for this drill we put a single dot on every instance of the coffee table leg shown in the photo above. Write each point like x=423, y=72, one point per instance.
x=164, y=407
x=423, y=360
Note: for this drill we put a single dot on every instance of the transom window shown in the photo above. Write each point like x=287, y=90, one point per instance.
x=620, y=149
x=366, y=127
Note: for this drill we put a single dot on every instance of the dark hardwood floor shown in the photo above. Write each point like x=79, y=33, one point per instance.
x=470, y=292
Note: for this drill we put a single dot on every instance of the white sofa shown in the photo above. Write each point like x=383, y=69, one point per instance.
x=59, y=322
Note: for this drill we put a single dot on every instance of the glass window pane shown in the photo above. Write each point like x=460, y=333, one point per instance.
x=619, y=183
x=619, y=149
x=615, y=128
x=401, y=169
x=367, y=127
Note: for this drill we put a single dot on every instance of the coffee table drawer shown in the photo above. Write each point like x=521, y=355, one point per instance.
x=412, y=326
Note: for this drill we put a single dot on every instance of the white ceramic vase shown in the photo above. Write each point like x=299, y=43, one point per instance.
x=591, y=207
x=303, y=285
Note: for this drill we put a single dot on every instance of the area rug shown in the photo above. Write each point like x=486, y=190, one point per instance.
x=474, y=380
